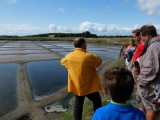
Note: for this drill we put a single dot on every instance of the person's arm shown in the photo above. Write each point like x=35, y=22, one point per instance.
x=64, y=61
x=150, y=66
x=126, y=51
x=95, y=61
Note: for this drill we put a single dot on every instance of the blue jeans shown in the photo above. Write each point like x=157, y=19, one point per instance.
x=79, y=100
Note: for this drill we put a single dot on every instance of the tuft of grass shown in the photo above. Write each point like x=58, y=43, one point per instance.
x=68, y=115
x=87, y=110
x=109, y=64
x=88, y=106
x=116, y=63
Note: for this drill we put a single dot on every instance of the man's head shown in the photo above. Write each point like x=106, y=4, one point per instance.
x=80, y=43
x=136, y=35
x=118, y=83
x=147, y=32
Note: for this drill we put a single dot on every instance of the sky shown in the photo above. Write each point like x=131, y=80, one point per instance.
x=101, y=17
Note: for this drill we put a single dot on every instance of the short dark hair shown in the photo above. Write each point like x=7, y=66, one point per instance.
x=78, y=42
x=120, y=84
x=148, y=30
x=136, y=31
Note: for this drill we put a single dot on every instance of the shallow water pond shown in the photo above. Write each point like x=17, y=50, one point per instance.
x=46, y=78
x=8, y=87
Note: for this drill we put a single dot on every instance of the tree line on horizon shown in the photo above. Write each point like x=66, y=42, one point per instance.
x=86, y=34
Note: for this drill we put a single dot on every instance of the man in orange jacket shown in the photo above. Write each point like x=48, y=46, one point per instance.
x=83, y=80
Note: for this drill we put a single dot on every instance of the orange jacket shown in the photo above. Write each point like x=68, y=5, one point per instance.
x=82, y=75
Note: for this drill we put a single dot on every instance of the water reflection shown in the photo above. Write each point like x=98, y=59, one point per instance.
x=46, y=77
x=63, y=47
x=104, y=51
x=8, y=87
x=106, y=55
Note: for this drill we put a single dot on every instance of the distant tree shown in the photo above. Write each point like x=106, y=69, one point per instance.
x=86, y=34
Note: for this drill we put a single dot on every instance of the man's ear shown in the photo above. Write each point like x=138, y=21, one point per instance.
x=84, y=46
x=149, y=37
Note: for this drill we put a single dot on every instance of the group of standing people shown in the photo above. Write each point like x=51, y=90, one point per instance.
x=118, y=83
x=146, y=70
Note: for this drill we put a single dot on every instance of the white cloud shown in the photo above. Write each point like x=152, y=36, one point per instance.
x=105, y=29
x=110, y=29
x=19, y=29
x=61, y=10
x=151, y=7
x=12, y=1
x=95, y=28
x=53, y=28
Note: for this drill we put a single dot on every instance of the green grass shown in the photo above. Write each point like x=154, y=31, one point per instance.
x=87, y=110
x=88, y=106
x=99, y=40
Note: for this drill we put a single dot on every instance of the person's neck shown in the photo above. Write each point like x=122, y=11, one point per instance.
x=79, y=48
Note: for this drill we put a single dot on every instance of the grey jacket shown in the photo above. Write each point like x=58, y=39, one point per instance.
x=149, y=76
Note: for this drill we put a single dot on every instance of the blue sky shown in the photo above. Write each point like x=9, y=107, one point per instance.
x=101, y=17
